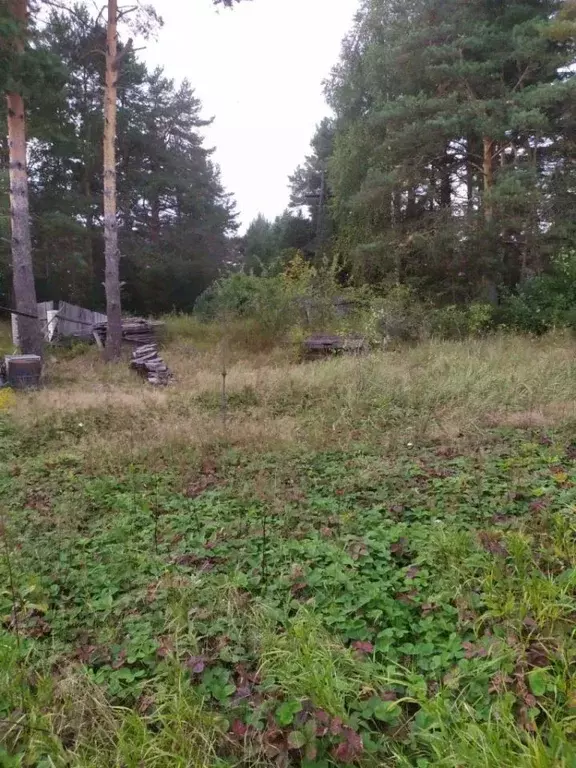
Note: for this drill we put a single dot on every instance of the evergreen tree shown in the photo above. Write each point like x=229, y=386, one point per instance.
x=174, y=218
x=449, y=117
x=17, y=60
x=310, y=187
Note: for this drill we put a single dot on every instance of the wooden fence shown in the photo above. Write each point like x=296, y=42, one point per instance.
x=62, y=320
x=77, y=321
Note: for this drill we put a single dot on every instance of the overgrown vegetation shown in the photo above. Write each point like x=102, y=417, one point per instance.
x=296, y=298
x=370, y=561
x=447, y=166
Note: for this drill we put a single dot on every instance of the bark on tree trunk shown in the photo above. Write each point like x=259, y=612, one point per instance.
x=22, y=268
x=112, y=255
x=490, y=286
x=488, y=165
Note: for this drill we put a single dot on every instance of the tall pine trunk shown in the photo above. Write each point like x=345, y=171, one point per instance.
x=488, y=165
x=22, y=268
x=112, y=255
x=490, y=285
x=471, y=160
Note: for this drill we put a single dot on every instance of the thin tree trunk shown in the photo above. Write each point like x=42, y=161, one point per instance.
x=490, y=286
x=155, y=220
x=488, y=166
x=470, y=171
x=22, y=267
x=446, y=182
x=112, y=255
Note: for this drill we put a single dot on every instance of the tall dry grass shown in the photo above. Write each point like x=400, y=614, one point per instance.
x=437, y=389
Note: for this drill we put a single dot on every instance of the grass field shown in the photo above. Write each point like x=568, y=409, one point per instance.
x=362, y=561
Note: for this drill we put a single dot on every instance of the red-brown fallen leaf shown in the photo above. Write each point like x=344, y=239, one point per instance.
x=363, y=647
x=297, y=572
x=472, y=651
x=446, y=452
x=340, y=492
x=208, y=467
x=408, y=598
x=389, y=696
x=326, y=532
x=322, y=719
x=201, y=485
x=242, y=692
x=120, y=659
x=84, y=653
x=530, y=624
x=399, y=547
x=499, y=683
x=538, y=655
x=530, y=700
x=300, y=586
x=37, y=627
x=525, y=720
x=428, y=608
x=166, y=647
x=145, y=704
x=336, y=726
x=196, y=664
x=349, y=750
x=239, y=729
x=357, y=549
x=490, y=541
x=412, y=572
x=38, y=501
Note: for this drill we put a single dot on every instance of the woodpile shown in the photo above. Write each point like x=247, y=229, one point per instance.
x=324, y=345
x=149, y=364
x=135, y=330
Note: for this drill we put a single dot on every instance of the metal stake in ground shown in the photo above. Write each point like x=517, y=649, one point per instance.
x=224, y=396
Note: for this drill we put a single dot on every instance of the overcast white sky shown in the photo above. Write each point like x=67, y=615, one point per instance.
x=258, y=70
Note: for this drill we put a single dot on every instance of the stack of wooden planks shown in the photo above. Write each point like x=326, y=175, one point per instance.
x=135, y=330
x=323, y=345
x=149, y=364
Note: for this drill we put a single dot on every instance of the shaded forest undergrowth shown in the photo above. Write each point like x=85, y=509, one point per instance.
x=370, y=561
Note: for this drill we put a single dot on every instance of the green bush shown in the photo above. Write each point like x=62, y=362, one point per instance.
x=544, y=302
x=300, y=300
x=459, y=322
x=273, y=305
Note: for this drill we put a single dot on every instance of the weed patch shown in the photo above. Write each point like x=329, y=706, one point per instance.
x=404, y=603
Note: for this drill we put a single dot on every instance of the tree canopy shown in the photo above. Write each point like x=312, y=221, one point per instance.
x=450, y=161
x=174, y=215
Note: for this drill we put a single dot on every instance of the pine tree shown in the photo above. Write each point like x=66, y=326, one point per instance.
x=112, y=254
x=22, y=270
x=174, y=217
x=447, y=115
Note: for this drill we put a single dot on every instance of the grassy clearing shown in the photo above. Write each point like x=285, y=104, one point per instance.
x=372, y=562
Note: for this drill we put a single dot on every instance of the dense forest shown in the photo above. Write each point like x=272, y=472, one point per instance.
x=449, y=164
x=174, y=217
